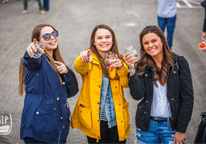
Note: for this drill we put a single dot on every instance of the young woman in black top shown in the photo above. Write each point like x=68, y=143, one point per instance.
x=162, y=80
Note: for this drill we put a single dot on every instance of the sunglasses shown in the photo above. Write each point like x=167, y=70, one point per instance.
x=47, y=36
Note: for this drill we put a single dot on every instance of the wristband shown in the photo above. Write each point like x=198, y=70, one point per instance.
x=131, y=70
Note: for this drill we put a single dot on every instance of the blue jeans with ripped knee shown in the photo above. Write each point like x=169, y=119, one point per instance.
x=159, y=132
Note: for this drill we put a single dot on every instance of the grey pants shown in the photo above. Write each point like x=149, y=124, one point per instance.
x=26, y=4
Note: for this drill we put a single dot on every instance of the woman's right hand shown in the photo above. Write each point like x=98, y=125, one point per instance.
x=130, y=59
x=86, y=56
x=32, y=48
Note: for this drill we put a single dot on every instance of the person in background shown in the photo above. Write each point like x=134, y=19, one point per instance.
x=204, y=24
x=166, y=17
x=4, y=1
x=101, y=111
x=26, y=4
x=162, y=81
x=48, y=82
x=46, y=5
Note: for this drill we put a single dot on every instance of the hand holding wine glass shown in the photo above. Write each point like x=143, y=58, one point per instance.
x=113, y=61
x=108, y=58
x=130, y=57
x=35, y=49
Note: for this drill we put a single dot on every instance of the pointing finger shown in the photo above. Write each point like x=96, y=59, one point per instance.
x=89, y=55
x=88, y=52
x=58, y=63
x=34, y=41
x=34, y=48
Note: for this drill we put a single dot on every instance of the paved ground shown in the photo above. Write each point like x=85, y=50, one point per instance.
x=75, y=21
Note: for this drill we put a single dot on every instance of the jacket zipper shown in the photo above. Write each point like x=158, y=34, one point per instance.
x=59, y=136
x=92, y=66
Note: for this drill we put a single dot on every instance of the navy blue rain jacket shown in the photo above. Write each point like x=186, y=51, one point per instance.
x=45, y=116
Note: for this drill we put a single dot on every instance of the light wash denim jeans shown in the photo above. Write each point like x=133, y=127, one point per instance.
x=170, y=23
x=159, y=132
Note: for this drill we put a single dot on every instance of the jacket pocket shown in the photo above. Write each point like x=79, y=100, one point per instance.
x=126, y=116
x=85, y=117
x=45, y=119
x=142, y=112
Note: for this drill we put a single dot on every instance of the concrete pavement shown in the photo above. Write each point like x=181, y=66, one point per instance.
x=75, y=20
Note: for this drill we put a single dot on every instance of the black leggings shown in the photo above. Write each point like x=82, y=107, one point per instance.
x=108, y=135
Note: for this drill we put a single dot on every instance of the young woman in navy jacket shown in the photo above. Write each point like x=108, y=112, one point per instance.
x=48, y=82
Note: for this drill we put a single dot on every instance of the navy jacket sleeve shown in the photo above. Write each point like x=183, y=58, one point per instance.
x=186, y=93
x=136, y=86
x=31, y=64
x=71, y=83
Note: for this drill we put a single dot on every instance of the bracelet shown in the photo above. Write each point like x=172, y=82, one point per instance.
x=131, y=70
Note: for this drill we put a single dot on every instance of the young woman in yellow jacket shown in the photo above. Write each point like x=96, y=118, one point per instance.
x=101, y=111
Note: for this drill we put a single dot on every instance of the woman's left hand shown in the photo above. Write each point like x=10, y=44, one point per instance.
x=61, y=68
x=115, y=62
x=179, y=138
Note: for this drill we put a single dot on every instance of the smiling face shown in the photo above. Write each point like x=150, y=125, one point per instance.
x=51, y=44
x=103, y=41
x=153, y=45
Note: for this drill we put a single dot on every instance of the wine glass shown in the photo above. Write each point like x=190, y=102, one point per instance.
x=38, y=53
x=131, y=50
x=109, y=56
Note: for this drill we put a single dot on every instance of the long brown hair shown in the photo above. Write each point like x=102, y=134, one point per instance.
x=114, y=48
x=56, y=55
x=145, y=59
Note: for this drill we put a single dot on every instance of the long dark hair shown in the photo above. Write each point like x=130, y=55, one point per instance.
x=56, y=55
x=114, y=48
x=145, y=59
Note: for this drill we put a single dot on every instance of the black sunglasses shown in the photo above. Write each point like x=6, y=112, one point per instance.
x=47, y=36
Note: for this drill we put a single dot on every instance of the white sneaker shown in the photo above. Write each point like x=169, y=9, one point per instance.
x=24, y=12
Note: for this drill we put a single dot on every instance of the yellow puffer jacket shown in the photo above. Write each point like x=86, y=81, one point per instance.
x=87, y=118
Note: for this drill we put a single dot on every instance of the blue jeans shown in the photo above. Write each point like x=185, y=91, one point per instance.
x=46, y=4
x=159, y=132
x=170, y=23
